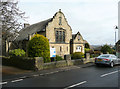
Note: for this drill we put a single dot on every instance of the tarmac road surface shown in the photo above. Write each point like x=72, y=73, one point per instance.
x=91, y=76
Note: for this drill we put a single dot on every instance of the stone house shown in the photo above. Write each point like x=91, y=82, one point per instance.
x=58, y=32
x=76, y=43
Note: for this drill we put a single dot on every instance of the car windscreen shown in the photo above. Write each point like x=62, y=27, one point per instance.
x=104, y=56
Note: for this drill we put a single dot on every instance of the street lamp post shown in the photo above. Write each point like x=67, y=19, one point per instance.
x=115, y=37
x=115, y=32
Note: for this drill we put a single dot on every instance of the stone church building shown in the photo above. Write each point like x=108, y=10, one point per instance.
x=58, y=32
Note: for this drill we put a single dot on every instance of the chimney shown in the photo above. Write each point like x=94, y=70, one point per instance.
x=59, y=10
x=26, y=25
x=29, y=37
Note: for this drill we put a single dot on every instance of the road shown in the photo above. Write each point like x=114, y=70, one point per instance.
x=91, y=76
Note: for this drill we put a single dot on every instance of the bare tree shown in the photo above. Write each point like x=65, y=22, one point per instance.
x=11, y=19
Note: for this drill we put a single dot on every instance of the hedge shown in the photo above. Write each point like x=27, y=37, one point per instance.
x=20, y=62
x=58, y=58
x=77, y=55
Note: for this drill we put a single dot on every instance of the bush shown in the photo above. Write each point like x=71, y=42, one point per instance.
x=97, y=52
x=58, y=58
x=106, y=48
x=17, y=52
x=38, y=46
x=87, y=50
x=77, y=55
x=94, y=55
x=87, y=45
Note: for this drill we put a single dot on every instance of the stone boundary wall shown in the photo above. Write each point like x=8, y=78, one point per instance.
x=56, y=64
x=37, y=63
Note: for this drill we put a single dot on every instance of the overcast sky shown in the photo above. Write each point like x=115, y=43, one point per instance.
x=94, y=19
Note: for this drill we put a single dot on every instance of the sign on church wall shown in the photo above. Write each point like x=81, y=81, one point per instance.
x=52, y=52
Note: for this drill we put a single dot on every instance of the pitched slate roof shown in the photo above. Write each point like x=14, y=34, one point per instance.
x=74, y=35
x=118, y=42
x=23, y=34
x=37, y=27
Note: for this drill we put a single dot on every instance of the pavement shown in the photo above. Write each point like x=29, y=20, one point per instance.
x=11, y=73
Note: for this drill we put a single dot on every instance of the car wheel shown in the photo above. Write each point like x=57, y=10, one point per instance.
x=97, y=64
x=111, y=64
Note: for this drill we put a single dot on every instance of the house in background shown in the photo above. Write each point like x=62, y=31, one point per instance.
x=58, y=32
x=77, y=42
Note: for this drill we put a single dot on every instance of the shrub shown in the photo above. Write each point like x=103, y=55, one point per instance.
x=94, y=55
x=17, y=52
x=58, y=58
x=114, y=52
x=77, y=55
x=38, y=46
x=87, y=50
x=106, y=48
x=87, y=45
x=97, y=52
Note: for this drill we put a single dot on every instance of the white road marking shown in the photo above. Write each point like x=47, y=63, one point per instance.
x=47, y=73
x=23, y=77
x=109, y=73
x=56, y=71
x=41, y=74
x=75, y=85
x=51, y=72
x=36, y=75
x=3, y=83
x=17, y=80
x=67, y=69
x=78, y=67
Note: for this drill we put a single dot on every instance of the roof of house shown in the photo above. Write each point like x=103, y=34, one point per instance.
x=74, y=35
x=85, y=41
x=37, y=27
x=118, y=42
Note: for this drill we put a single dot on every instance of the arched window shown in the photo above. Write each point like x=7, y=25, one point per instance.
x=78, y=49
x=60, y=20
x=60, y=49
x=78, y=38
x=67, y=48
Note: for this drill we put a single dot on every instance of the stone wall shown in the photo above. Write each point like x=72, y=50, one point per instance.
x=54, y=24
x=51, y=29
x=61, y=49
x=75, y=46
x=56, y=64
x=78, y=41
x=37, y=63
